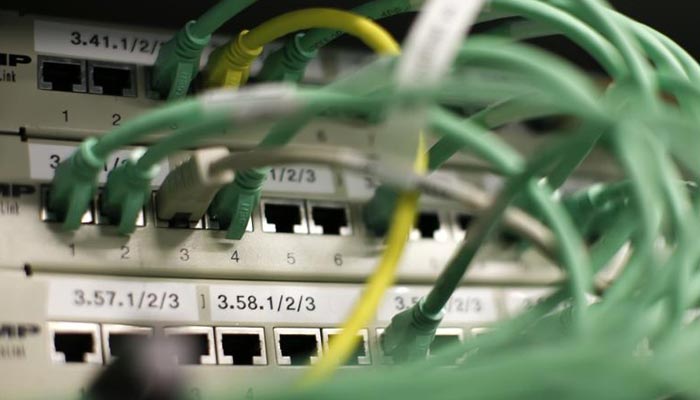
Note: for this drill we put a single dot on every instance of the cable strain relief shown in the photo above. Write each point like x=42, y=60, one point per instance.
x=189, y=45
x=86, y=163
x=424, y=318
x=295, y=56
x=251, y=179
x=244, y=205
x=287, y=63
x=241, y=55
x=141, y=176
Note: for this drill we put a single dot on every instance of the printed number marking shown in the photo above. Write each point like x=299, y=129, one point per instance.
x=125, y=253
x=54, y=160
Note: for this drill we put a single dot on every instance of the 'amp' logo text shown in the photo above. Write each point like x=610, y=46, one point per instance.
x=13, y=60
x=16, y=190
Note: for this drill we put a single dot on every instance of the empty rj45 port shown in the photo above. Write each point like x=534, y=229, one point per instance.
x=360, y=355
x=283, y=216
x=117, y=340
x=329, y=219
x=194, y=344
x=111, y=79
x=61, y=74
x=297, y=346
x=241, y=346
x=75, y=342
x=429, y=225
x=462, y=222
x=444, y=338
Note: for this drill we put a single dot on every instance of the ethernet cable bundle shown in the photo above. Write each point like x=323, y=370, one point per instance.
x=627, y=338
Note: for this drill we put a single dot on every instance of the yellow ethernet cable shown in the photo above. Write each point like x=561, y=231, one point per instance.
x=344, y=343
x=229, y=65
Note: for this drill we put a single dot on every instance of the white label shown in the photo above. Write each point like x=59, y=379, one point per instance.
x=300, y=178
x=97, y=43
x=434, y=40
x=119, y=300
x=359, y=187
x=467, y=305
x=44, y=158
x=519, y=300
x=362, y=187
x=285, y=303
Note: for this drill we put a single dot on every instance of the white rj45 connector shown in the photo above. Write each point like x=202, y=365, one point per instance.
x=189, y=189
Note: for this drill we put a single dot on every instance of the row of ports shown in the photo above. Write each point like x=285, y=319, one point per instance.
x=295, y=217
x=278, y=216
x=80, y=342
x=80, y=76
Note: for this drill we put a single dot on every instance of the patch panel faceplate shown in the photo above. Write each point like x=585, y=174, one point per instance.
x=102, y=305
x=245, y=302
x=261, y=254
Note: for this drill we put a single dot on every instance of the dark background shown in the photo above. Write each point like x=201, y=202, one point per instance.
x=676, y=18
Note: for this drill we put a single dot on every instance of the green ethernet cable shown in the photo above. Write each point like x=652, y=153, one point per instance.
x=250, y=182
x=178, y=59
x=75, y=181
x=563, y=347
x=572, y=363
x=289, y=62
x=128, y=185
x=410, y=333
x=542, y=14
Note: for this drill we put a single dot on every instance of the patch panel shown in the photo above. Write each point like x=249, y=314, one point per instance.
x=287, y=284
x=80, y=343
x=156, y=249
x=291, y=216
x=240, y=347
x=92, y=343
